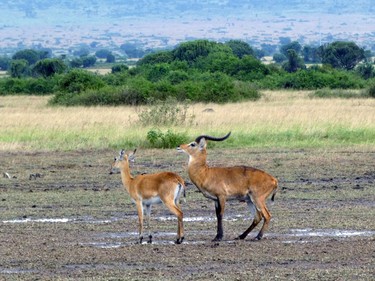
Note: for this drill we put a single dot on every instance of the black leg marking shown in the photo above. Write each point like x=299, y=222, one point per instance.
x=219, y=217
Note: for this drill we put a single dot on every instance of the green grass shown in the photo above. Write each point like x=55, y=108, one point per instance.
x=280, y=119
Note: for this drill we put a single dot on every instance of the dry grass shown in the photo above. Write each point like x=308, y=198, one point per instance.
x=279, y=117
x=293, y=112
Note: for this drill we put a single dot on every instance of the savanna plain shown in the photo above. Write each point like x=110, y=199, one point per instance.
x=64, y=217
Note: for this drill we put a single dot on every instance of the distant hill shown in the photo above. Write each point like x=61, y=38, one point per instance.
x=167, y=8
x=65, y=24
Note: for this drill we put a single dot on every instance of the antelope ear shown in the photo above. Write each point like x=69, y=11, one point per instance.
x=122, y=153
x=202, y=144
x=131, y=156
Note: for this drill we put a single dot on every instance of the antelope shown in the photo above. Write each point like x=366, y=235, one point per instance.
x=148, y=189
x=230, y=183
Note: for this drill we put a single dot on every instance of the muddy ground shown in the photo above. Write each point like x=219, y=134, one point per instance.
x=62, y=216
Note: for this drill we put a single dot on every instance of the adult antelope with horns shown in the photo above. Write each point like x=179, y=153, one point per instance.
x=227, y=183
x=148, y=189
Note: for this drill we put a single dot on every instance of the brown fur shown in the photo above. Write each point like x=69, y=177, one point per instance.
x=145, y=188
x=223, y=183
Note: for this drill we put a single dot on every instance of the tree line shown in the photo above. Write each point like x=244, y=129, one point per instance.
x=200, y=70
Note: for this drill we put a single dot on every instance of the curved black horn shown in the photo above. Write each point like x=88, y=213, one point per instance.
x=198, y=139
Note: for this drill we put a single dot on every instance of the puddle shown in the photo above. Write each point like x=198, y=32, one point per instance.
x=307, y=235
x=98, y=221
x=27, y=220
x=15, y=271
x=166, y=238
x=58, y=220
x=114, y=240
x=203, y=219
x=308, y=232
x=104, y=245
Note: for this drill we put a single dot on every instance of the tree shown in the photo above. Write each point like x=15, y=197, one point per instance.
x=279, y=58
x=49, y=67
x=132, y=50
x=31, y=56
x=366, y=70
x=82, y=52
x=268, y=49
x=191, y=51
x=294, y=62
x=240, y=48
x=291, y=46
x=4, y=63
x=110, y=58
x=341, y=54
x=19, y=68
x=75, y=63
x=88, y=61
x=158, y=57
x=102, y=53
x=310, y=54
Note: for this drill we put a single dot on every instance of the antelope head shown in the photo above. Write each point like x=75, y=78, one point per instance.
x=122, y=159
x=198, y=147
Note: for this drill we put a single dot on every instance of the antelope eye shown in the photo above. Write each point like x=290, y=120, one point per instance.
x=193, y=144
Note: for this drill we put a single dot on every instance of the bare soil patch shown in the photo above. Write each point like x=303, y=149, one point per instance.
x=62, y=216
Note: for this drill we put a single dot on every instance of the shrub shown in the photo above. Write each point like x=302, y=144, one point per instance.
x=371, y=89
x=313, y=78
x=165, y=113
x=107, y=95
x=119, y=68
x=27, y=86
x=247, y=91
x=78, y=80
x=177, y=76
x=170, y=139
x=12, y=86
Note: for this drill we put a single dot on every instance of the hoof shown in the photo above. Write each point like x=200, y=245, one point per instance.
x=258, y=237
x=149, y=240
x=217, y=239
x=241, y=237
x=179, y=240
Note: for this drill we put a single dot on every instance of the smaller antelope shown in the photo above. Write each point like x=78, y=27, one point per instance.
x=148, y=189
x=228, y=183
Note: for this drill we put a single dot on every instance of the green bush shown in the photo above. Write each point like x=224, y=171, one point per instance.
x=371, y=89
x=170, y=139
x=177, y=76
x=246, y=91
x=311, y=79
x=119, y=68
x=12, y=86
x=77, y=81
x=26, y=86
x=107, y=95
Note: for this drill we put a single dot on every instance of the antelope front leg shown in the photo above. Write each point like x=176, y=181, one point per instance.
x=140, y=220
x=148, y=215
x=219, y=209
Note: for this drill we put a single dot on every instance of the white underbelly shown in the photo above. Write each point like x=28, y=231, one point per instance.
x=152, y=200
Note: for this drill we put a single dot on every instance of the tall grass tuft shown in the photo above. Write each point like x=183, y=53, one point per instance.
x=165, y=113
